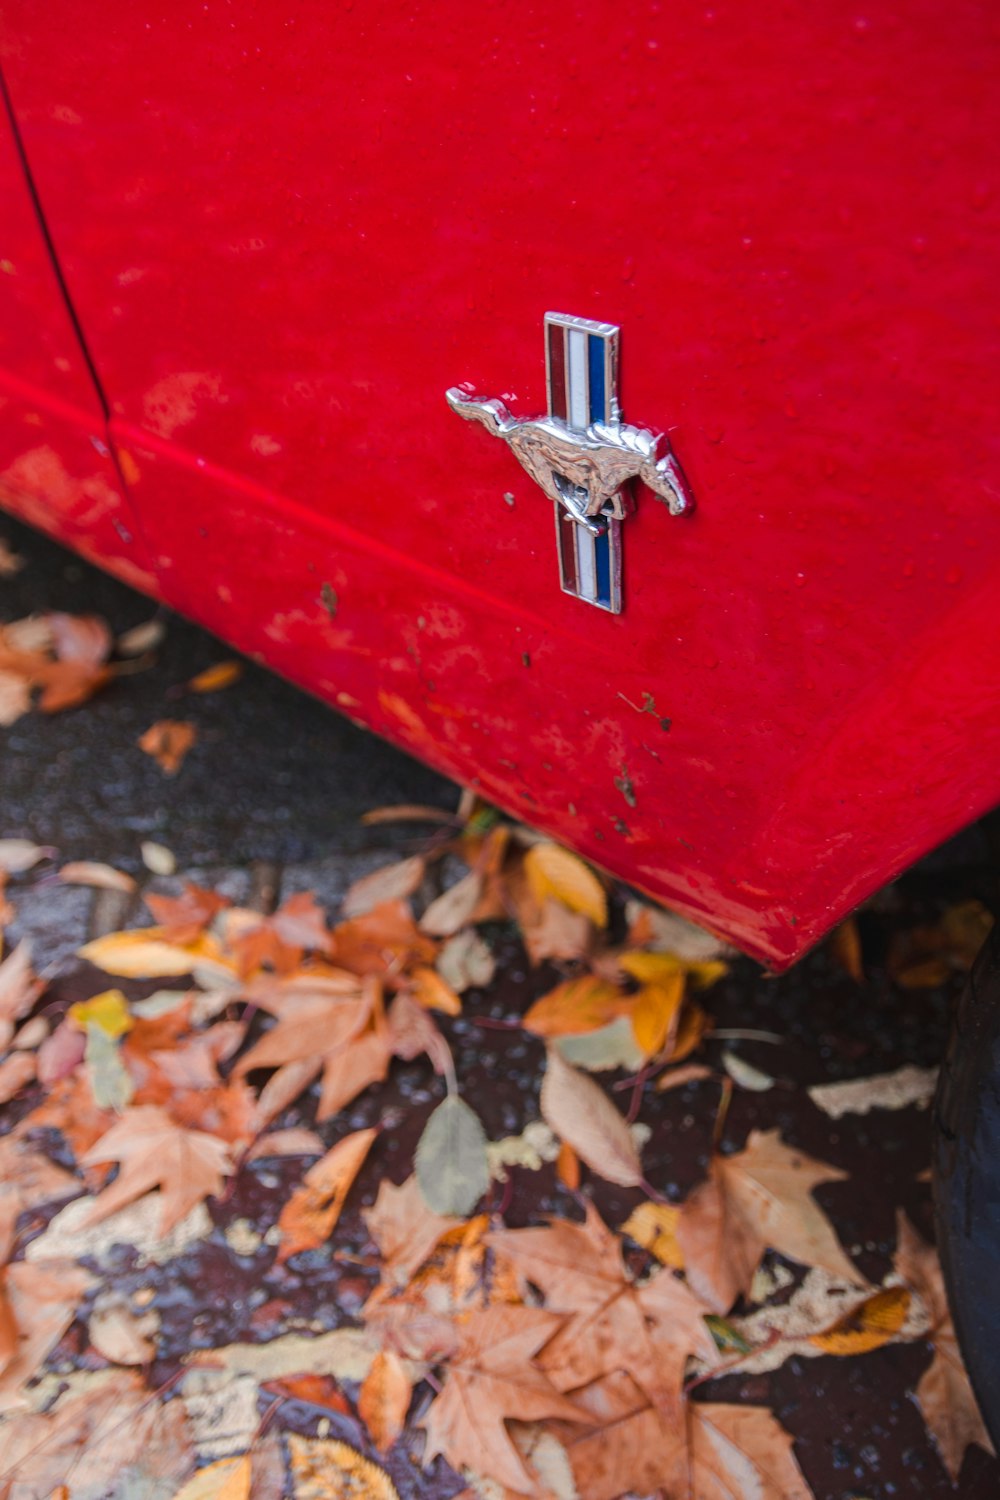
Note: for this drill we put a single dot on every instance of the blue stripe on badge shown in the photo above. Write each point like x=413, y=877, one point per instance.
x=595, y=368
x=602, y=561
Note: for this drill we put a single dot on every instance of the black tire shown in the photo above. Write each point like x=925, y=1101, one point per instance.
x=967, y=1177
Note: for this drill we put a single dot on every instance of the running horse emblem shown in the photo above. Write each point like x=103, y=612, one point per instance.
x=582, y=455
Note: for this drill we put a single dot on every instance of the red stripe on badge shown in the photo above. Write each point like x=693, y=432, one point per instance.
x=557, y=371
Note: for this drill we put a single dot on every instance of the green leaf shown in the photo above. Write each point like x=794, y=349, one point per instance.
x=452, y=1170
x=110, y=1081
x=727, y=1338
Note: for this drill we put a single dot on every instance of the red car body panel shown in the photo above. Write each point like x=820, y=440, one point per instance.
x=284, y=235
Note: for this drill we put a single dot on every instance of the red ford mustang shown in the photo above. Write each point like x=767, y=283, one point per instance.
x=707, y=585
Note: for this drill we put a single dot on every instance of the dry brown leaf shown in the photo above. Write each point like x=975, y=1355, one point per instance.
x=944, y=1393
x=580, y=1113
x=141, y=638
x=390, y=883
x=490, y=1379
x=168, y=742
x=384, y=1399
x=153, y=1151
x=106, y=1437
x=328, y=1024
x=222, y=675
x=294, y=1141
x=631, y=1448
x=19, y=989
x=845, y=949
x=431, y=991
x=385, y=941
x=15, y=697
x=454, y=908
x=90, y=872
x=183, y=919
x=466, y=961
x=42, y=1301
x=675, y=1078
x=741, y=1450
x=576, y=1006
x=308, y=1218
x=568, y=1167
x=647, y=1329
x=405, y=1230
x=145, y=953
x=758, y=1198
x=16, y=1071
x=122, y=1336
x=553, y=871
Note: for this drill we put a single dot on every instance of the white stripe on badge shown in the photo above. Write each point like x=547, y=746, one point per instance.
x=586, y=565
x=577, y=394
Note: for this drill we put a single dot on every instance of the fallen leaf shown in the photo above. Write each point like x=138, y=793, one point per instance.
x=327, y=1469
x=122, y=1336
x=89, y=872
x=577, y=1005
x=213, y=679
x=648, y=1329
x=405, y=1229
x=391, y=883
x=20, y=855
x=676, y=1078
x=553, y=871
x=845, y=949
x=43, y=1301
x=385, y=941
x=868, y=1325
x=580, y=1113
x=384, y=1399
x=104, y=1436
x=110, y=1081
x=19, y=989
x=745, y=1075
x=158, y=859
x=490, y=1379
x=16, y=1072
x=430, y=990
x=758, y=1198
x=294, y=1141
x=308, y=1218
x=328, y=1024
x=858, y=1096
x=141, y=638
x=107, y=1012
x=448, y=913
x=154, y=1152
x=450, y=1159
x=654, y=1227
x=144, y=953
x=10, y=562
x=15, y=698
x=655, y=1011
x=568, y=1167
x=663, y=931
x=168, y=742
x=741, y=1451
x=183, y=919
x=226, y=1479
x=630, y=1447
x=465, y=961
x=944, y=1393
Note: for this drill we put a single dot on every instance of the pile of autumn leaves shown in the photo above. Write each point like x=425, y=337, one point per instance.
x=556, y=1369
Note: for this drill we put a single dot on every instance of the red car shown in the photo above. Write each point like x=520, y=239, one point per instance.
x=258, y=263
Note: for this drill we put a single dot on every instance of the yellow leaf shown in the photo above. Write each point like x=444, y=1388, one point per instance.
x=142, y=954
x=553, y=871
x=431, y=991
x=654, y=1012
x=327, y=1469
x=222, y=675
x=658, y=968
x=867, y=1326
x=107, y=1011
x=226, y=1479
x=576, y=1006
x=651, y=968
x=654, y=1227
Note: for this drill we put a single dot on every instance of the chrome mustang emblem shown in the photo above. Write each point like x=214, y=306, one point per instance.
x=582, y=455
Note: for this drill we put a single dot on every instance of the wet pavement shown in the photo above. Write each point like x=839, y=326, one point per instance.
x=275, y=783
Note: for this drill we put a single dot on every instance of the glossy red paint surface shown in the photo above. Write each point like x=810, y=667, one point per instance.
x=56, y=468
x=286, y=234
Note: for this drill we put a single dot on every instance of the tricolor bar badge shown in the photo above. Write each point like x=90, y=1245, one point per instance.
x=581, y=376
x=582, y=455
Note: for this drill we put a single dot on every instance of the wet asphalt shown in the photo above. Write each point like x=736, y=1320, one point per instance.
x=274, y=774
x=277, y=778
